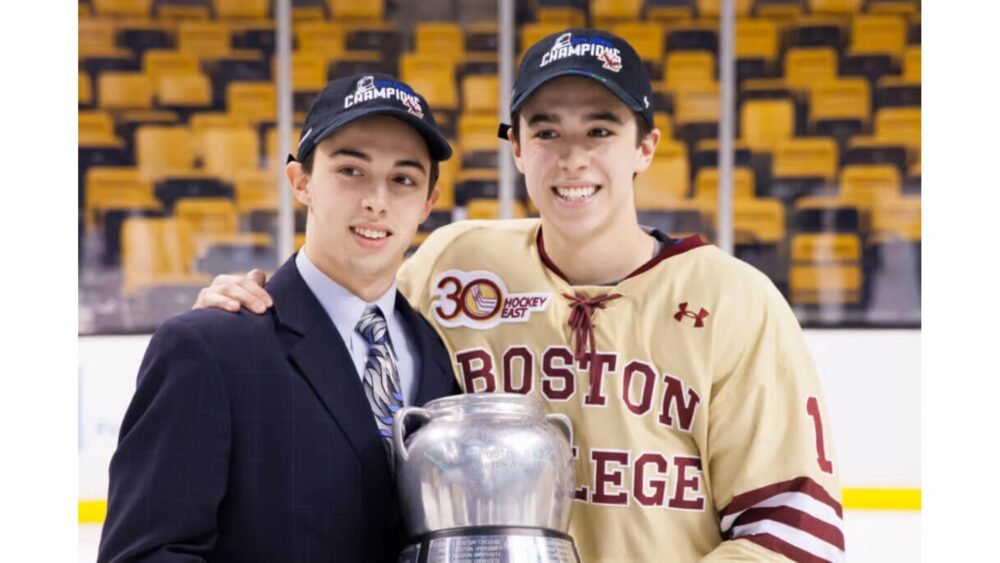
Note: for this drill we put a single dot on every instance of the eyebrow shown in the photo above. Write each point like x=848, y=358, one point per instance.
x=367, y=158
x=596, y=116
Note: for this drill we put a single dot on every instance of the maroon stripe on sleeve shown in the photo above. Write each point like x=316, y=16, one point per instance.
x=803, y=485
x=797, y=519
x=778, y=545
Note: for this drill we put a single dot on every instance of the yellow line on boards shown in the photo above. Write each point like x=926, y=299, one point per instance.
x=93, y=511
x=881, y=499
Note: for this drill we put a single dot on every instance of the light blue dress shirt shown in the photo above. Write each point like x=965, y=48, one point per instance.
x=345, y=310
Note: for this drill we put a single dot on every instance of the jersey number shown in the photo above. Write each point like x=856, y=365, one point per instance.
x=812, y=407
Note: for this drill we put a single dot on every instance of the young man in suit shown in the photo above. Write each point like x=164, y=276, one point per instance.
x=266, y=438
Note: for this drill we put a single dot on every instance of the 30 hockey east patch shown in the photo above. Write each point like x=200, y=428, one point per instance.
x=479, y=299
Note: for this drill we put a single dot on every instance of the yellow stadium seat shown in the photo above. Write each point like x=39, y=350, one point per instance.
x=357, y=9
x=842, y=99
x=96, y=37
x=256, y=188
x=122, y=8
x=247, y=9
x=490, y=209
x=697, y=104
x=688, y=69
x=663, y=122
x=95, y=127
x=900, y=7
x=605, y=12
x=911, y=63
x=481, y=94
x=713, y=8
x=322, y=37
x=669, y=14
x=115, y=185
x=449, y=171
x=182, y=11
x=805, y=158
x=835, y=7
x=124, y=90
x=157, y=63
x=201, y=122
x=868, y=184
x=706, y=183
x=757, y=38
x=204, y=39
x=254, y=100
x=899, y=125
x=154, y=249
x=478, y=130
x=566, y=16
x=763, y=123
x=308, y=71
x=271, y=140
x=208, y=215
x=806, y=66
x=184, y=90
x=873, y=34
x=826, y=269
x=433, y=77
x=645, y=37
x=666, y=180
x=85, y=90
x=532, y=33
x=163, y=151
x=758, y=221
x=779, y=9
x=440, y=38
x=230, y=151
x=897, y=219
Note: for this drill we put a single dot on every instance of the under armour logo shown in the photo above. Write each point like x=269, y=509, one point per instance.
x=611, y=61
x=413, y=106
x=699, y=317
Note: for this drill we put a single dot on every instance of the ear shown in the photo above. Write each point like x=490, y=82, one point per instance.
x=299, y=181
x=645, y=151
x=429, y=204
x=515, y=149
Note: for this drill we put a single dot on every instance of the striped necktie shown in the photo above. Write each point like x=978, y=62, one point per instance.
x=381, y=379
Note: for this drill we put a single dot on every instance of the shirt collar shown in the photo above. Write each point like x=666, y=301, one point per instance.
x=343, y=307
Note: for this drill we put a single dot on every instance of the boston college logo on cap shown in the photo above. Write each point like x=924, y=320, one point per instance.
x=413, y=106
x=597, y=47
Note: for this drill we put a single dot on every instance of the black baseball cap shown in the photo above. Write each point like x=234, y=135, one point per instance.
x=591, y=53
x=348, y=99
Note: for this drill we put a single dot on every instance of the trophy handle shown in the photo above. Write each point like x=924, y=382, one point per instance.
x=399, y=427
x=563, y=423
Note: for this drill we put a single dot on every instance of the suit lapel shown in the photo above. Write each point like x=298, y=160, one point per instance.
x=325, y=363
x=436, y=376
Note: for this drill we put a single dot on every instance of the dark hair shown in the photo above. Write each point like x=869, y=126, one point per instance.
x=307, y=165
x=642, y=128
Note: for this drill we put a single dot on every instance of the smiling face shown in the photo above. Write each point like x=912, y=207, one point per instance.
x=366, y=196
x=577, y=150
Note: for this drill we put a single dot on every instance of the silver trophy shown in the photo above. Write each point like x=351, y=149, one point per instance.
x=486, y=477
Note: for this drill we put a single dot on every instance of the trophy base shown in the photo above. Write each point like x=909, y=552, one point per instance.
x=492, y=544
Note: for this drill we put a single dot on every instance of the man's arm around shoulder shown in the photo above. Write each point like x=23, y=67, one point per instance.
x=168, y=475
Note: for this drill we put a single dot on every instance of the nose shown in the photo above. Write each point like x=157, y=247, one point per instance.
x=574, y=157
x=376, y=199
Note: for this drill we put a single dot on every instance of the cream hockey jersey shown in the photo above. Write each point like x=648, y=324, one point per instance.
x=700, y=427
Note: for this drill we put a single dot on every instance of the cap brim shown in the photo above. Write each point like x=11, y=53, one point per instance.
x=437, y=144
x=544, y=77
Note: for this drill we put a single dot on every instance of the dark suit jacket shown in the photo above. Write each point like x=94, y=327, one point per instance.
x=249, y=438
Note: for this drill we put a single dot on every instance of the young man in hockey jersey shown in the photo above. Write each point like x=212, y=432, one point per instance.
x=701, y=432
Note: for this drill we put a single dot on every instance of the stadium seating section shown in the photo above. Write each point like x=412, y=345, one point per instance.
x=179, y=159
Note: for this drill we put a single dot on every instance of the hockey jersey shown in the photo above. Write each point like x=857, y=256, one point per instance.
x=699, y=421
